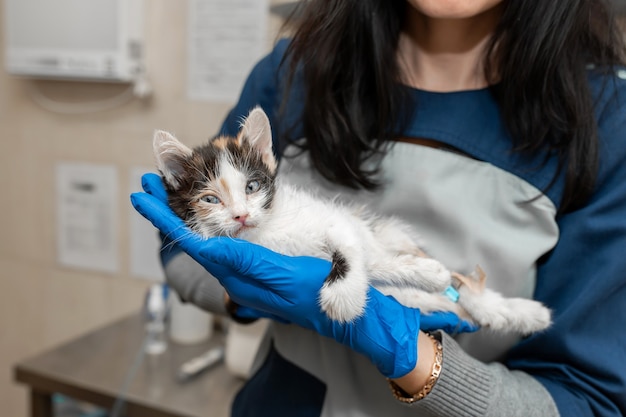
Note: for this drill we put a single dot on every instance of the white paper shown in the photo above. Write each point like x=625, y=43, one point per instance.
x=145, y=243
x=86, y=216
x=225, y=39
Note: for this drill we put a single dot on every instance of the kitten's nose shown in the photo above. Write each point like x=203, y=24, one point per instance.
x=241, y=218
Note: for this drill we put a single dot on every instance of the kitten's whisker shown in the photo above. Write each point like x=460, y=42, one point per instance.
x=172, y=242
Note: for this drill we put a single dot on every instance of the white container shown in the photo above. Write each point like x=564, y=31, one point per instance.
x=243, y=343
x=189, y=324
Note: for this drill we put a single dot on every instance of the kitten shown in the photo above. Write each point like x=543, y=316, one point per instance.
x=229, y=187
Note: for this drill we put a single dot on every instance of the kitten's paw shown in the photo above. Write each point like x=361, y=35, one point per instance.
x=432, y=275
x=343, y=301
x=532, y=315
x=511, y=315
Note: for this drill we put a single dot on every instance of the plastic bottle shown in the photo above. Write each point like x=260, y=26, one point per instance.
x=156, y=311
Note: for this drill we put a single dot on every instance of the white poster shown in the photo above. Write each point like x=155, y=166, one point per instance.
x=225, y=39
x=86, y=216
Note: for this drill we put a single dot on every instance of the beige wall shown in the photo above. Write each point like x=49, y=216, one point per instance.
x=41, y=303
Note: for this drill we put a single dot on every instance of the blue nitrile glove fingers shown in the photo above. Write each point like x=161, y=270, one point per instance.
x=244, y=312
x=446, y=321
x=153, y=184
x=164, y=219
x=260, y=278
x=153, y=206
x=386, y=333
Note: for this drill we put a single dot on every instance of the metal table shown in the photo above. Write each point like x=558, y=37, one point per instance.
x=93, y=368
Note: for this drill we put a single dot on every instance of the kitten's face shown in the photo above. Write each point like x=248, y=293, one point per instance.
x=224, y=187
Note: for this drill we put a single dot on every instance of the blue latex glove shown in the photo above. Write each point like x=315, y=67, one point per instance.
x=285, y=287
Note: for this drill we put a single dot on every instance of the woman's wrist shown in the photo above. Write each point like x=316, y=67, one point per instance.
x=417, y=383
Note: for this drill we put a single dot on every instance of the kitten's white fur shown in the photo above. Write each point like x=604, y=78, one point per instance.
x=381, y=251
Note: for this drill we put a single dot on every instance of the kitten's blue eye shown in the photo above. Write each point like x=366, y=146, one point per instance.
x=252, y=186
x=211, y=199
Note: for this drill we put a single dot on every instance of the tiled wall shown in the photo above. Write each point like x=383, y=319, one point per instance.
x=41, y=303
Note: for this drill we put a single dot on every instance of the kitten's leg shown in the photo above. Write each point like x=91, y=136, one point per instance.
x=488, y=309
x=492, y=310
x=410, y=271
x=475, y=281
x=400, y=260
x=427, y=302
x=396, y=236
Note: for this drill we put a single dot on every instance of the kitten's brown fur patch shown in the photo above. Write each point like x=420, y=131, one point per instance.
x=224, y=185
x=221, y=142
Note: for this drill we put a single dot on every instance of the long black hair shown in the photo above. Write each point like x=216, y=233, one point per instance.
x=346, y=53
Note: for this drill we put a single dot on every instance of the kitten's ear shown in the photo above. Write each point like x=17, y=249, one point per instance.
x=170, y=155
x=257, y=130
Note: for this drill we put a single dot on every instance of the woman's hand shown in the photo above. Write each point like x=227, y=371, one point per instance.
x=265, y=283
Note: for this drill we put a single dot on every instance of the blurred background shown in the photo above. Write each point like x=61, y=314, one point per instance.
x=55, y=285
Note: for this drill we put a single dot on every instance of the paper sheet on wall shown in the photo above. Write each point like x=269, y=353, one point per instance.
x=86, y=216
x=225, y=39
x=145, y=243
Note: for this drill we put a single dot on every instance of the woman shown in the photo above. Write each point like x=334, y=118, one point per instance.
x=499, y=129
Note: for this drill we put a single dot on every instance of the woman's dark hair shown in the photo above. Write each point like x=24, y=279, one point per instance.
x=345, y=51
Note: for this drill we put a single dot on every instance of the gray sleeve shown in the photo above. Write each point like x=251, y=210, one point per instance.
x=194, y=284
x=470, y=388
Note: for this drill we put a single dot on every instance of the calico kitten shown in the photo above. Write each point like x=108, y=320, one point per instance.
x=229, y=187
